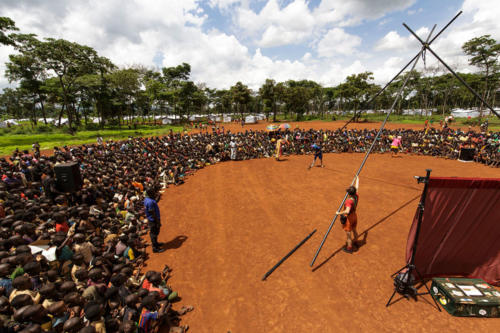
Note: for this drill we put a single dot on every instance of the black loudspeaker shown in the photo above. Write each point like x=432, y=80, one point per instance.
x=68, y=177
x=467, y=154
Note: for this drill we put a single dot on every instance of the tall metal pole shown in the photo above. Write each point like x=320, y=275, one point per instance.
x=445, y=27
x=287, y=255
x=404, y=68
x=371, y=148
x=383, y=89
x=427, y=47
x=421, y=206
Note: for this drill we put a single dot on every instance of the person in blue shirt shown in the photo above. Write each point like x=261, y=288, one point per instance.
x=5, y=280
x=318, y=153
x=154, y=222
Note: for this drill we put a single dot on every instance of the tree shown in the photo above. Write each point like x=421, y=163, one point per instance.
x=269, y=97
x=27, y=68
x=68, y=61
x=178, y=89
x=222, y=101
x=6, y=24
x=240, y=95
x=357, y=89
x=297, y=96
x=483, y=52
x=10, y=102
x=189, y=97
x=125, y=84
x=318, y=100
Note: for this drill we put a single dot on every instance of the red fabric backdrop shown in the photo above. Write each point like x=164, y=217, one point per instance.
x=460, y=231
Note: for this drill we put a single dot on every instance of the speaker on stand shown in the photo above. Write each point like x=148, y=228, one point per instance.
x=466, y=154
x=68, y=177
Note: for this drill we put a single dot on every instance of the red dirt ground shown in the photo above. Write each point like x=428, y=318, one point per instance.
x=230, y=223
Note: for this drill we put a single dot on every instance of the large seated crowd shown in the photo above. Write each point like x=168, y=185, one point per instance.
x=73, y=262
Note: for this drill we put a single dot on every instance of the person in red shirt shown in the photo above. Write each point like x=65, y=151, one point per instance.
x=350, y=217
x=61, y=223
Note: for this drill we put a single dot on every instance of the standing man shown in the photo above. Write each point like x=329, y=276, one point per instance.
x=154, y=222
x=349, y=219
x=318, y=153
x=232, y=145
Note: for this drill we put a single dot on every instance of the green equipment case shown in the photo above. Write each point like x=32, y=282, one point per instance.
x=466, y=297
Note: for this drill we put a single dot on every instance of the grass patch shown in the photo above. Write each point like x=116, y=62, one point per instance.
x=9, y=142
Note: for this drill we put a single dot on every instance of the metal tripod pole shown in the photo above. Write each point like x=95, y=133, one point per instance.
x=427, y=47
x=382, y=90
x=371, y=148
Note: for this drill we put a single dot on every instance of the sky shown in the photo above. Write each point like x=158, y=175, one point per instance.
x=226, y=41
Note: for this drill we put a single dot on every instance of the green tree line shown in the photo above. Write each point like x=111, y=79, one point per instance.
x=57, y=79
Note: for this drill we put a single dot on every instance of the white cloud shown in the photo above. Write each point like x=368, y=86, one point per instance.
x=478, y=18
x=384, y=21
x=277, y=26
x=136, y=31
x=354, y=11
x=4, y=57
x=337, y=41
x=222, y=4
x=393, y=41
x=293, y=23
x=415, y=11
x=389, y=68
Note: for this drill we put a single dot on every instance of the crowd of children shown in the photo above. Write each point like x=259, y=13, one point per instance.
x=72, y=262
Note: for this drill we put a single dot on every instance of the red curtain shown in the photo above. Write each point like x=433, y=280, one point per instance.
x=460, y=230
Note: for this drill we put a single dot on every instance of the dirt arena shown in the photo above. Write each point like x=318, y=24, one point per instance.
x=230, y=223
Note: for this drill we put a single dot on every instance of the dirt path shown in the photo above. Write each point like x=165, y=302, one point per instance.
x=230, y=223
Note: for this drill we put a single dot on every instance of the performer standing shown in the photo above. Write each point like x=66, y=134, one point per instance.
x=154, y=222
x=279, y=148
x=395, y=145
x=318, y=153
x=349, y=219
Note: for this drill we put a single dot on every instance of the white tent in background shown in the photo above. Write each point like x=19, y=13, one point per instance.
x=195, y=117
x=462, y=113
x=413, y=112
x=250, y=120
x=8, y=122
x=226, y=119
x=214, y=117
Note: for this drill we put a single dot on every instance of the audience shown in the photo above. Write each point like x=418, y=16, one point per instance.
x=72, y=262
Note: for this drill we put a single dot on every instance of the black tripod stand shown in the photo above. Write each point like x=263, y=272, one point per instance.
x=404, y=279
